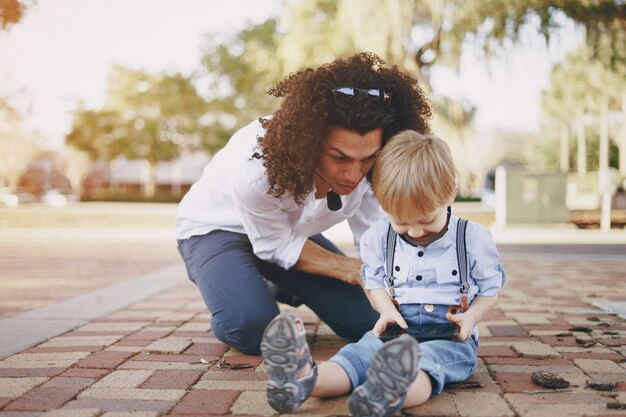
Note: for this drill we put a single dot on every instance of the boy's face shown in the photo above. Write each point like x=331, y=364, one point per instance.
x=421, y=229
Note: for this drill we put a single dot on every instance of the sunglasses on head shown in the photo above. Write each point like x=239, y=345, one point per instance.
x=345, y=96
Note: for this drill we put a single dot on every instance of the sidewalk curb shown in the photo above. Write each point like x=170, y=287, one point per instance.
x=28, y=329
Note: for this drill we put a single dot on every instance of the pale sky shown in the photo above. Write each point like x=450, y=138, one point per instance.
x=62, y=52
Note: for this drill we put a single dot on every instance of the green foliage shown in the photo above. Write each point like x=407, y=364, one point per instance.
x=578, y=83
x=12, y=11
x=241, y=69
x=146, y=116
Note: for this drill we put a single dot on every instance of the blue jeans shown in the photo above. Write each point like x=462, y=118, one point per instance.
x=231, y=280
x=443, y=360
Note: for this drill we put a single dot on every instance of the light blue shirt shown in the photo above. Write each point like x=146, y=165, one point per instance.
x=431, y=274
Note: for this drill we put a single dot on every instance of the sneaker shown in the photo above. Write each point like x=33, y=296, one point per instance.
x=285, y=351
x=392, y=371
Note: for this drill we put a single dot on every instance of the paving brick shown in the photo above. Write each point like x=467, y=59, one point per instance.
x=132, y=349
x=83, y=412
x=516, y=382
x=172, y=379
x=243, y=359
x=234, y=376
x=195, y=327
x=562, y=410
x=535, y=350
x=207, y=401
x=161, y=365
x=499, y=351
x=120, y=328
x=130, y=414
x=14, y=387
x=26, y=372
x=507, y=331
x=206, y=349
x=478, y=404
x=170, y=344
x=73, y=341
x=118, y=404
x=526, y=361
x=133, y=342
x=159, y=357
x=4, y=401
x=594, y=366
x=104, y=360
x=148, y=335
x=439, y=406
x=126, y=393
x=241, y=385
x=123, y=379
x=49, y=396
x=42, y=360
x=85, y=373
x=63, y=349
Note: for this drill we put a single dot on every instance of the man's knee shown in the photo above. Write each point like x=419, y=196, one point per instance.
x=244, y=335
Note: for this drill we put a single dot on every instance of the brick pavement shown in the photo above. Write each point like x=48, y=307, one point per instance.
x=41, y=266
x=157, y=357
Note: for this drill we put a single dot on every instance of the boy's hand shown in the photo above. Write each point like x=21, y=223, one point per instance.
x=388, y=317
x=466, y=322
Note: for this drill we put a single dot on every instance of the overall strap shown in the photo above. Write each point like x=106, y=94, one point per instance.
x=391, y=250
x=461, y=255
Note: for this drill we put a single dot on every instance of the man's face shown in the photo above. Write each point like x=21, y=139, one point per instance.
x=421, y=229
x=346, y=157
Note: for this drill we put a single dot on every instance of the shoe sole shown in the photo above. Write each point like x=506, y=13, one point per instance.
x=393, y=369
x=280, y=355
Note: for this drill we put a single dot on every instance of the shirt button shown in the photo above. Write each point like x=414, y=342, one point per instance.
x=420, y=254
x=454, y=272
x=397, y=268
x=419, y=277
x=429, y=308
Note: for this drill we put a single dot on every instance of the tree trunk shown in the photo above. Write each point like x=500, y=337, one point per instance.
x=604, y=175
x=149, y=179
x=564, y=159
x=582, y=145
x=622, y=140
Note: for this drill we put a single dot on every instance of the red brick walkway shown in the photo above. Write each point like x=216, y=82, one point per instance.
x=157, y=357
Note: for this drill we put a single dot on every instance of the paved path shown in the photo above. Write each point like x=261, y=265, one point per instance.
x=155, y=356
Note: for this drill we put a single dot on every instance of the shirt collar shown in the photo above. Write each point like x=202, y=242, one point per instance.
x=446, y=236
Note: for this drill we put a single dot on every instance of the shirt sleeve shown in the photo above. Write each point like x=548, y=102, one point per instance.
x=373, y=247
x=266, y=223
x=485, y=267
x=368, y=213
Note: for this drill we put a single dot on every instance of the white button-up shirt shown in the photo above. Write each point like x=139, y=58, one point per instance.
x=232, y=195
x=431, y=274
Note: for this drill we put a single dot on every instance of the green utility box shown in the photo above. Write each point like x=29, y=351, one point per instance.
x=530, y=197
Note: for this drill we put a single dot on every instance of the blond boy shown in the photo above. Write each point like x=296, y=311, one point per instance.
x=430, y=274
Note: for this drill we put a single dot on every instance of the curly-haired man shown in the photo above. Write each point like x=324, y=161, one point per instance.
x=250, y=228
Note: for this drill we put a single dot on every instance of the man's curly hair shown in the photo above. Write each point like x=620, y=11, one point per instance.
x=290, y=148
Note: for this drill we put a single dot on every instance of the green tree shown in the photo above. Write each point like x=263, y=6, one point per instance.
x=12, y=11
x=241, y=68
x=18, y=146
x=154, y=117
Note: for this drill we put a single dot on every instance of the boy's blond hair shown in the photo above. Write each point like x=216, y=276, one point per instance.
x=414, y=175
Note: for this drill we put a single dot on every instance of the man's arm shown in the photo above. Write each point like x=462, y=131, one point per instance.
x=316, y=260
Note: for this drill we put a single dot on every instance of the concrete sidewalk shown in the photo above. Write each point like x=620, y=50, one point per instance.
x=153, y=353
